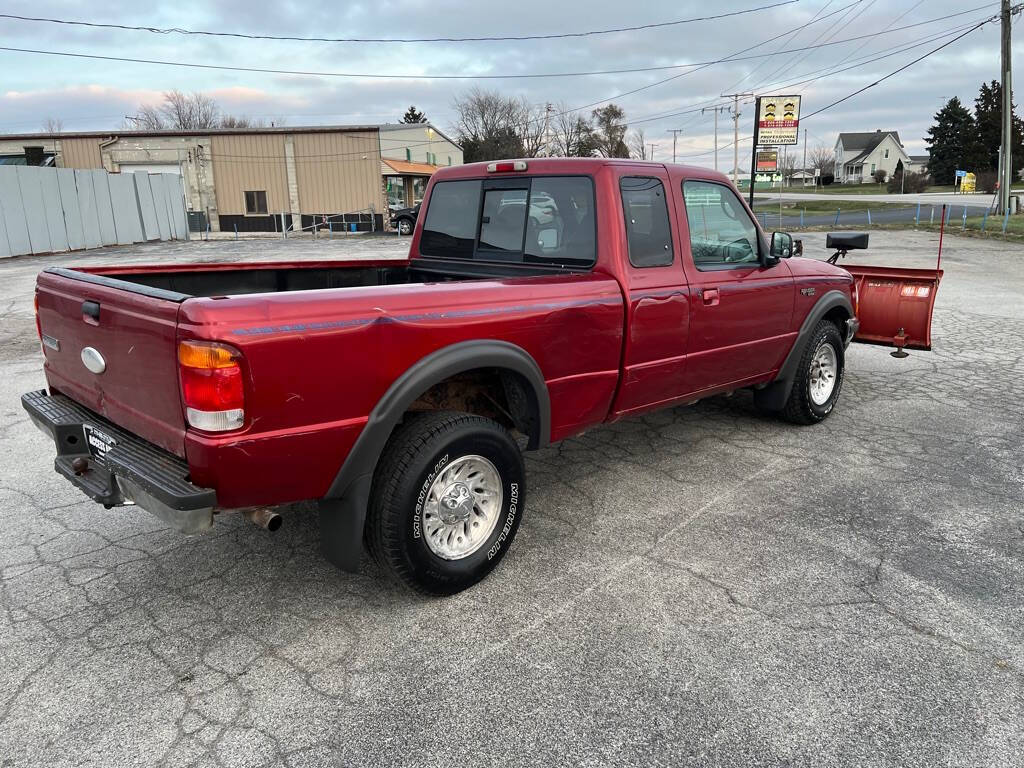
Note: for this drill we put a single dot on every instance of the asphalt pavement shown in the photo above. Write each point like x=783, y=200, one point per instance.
x=700, y=586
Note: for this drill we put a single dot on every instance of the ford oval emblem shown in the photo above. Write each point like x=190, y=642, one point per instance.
x=93, y=360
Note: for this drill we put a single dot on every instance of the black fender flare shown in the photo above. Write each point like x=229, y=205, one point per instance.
x=774, y=396
x=343, y=509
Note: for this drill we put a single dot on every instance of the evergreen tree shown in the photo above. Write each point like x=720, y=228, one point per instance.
x=952, y=142
x=609, y=131
x=413, y=115
x=988, y=113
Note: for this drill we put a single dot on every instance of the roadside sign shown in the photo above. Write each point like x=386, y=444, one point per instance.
x=767, y=160
x=778, y=120
x=961, y=174
x=817, y=172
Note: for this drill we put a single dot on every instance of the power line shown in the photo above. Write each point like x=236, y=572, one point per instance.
x=818, y=74
x=508, y=76
x=901, y=69
x=494, y=38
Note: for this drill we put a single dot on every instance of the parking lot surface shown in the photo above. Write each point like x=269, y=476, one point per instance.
x=700, y=586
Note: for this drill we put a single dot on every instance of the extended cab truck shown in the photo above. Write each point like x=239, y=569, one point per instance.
x=399, y=393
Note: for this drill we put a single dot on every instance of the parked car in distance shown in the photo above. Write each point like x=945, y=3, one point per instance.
x=404, y=219
x=400, y=394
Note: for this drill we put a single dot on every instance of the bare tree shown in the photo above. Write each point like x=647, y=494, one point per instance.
x=190, y=111
x=531, y=123
x=823, y=158
x=638, y=145
x=53, y=125
x=488, y=125
x=179, y=111
x=241, y=121
x=787, y=165
x=571, y=134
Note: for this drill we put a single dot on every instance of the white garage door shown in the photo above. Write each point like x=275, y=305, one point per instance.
x=151, y=168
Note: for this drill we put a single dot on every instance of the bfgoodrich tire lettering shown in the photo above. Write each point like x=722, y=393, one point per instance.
x=418, y=453
x=809, y=401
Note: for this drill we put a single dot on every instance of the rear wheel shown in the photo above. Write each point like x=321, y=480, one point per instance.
x=447, y=499
x=819, y=376
x=404, y=227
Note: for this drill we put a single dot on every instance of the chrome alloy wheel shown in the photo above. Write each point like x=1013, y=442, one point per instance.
x=824, y=367
x=462, y=507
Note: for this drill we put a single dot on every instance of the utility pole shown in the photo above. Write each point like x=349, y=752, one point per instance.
x=547, y=123
x=651, y=145
x=804, y=169
x=1005, y=158
x=675, y=135
x=736, y=135
x=715, y=111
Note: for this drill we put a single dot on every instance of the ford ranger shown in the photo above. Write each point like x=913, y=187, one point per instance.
x=540, y=298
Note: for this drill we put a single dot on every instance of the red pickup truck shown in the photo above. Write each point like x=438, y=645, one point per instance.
x=540, y=298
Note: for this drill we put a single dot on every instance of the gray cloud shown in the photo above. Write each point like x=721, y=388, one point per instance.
x=95, y=95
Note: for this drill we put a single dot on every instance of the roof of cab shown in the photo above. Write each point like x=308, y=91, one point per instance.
x=573, y=165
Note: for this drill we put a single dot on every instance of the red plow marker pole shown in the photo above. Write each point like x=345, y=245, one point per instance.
x=942, y=228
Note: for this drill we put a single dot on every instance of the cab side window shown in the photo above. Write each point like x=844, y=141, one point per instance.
x=721, y=232
x=648, y=231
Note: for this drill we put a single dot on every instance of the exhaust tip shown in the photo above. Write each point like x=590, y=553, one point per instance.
x=265, y=518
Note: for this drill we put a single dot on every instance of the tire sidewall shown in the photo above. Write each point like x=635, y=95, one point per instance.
x=828, y=334
x=435, y=572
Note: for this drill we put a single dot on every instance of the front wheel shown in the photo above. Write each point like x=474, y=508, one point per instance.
x=819, y=376
x=448, y=495
x=404, y=227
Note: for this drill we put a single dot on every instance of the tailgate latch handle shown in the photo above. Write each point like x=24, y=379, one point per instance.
x=91, y=311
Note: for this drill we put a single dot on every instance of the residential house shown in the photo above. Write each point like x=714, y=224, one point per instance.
x=859, y=155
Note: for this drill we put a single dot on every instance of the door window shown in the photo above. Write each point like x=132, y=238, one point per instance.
x=648, y=232
x=721, y=232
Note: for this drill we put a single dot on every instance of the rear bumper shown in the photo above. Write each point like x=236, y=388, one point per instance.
x=114, y=467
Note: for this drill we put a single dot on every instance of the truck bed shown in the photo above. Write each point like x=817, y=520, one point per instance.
x=209, y=280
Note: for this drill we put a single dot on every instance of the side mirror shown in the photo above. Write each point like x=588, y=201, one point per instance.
x=782, y=245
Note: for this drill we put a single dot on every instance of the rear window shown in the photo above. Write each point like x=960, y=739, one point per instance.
x=534, y=219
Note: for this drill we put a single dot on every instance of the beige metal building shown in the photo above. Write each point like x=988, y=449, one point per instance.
x=256, y=179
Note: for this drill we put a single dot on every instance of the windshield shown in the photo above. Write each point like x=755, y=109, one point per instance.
x=536, y=220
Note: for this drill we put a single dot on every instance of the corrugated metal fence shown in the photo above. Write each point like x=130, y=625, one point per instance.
x=44, y=210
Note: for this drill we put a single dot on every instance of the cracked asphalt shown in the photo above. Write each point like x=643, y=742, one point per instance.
x=701, y=586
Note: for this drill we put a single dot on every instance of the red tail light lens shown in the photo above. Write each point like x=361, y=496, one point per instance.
x=211, y=385
x=35, y=307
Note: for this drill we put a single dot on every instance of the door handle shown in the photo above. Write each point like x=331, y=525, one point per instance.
x=710, y=296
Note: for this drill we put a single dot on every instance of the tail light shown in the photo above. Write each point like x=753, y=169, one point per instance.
x=211, y=385
x=35, y=308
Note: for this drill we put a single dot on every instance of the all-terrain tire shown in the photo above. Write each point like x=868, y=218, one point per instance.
x=802, y=407
x=426, y=448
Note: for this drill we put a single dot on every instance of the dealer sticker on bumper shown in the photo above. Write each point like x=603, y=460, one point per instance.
x=99, y=442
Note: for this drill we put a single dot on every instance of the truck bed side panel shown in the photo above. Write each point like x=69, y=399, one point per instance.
x=318, y=363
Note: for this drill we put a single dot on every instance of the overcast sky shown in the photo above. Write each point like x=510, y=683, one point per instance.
x=95, y=95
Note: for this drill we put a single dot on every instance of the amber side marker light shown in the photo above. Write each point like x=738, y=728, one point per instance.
x=211, y=385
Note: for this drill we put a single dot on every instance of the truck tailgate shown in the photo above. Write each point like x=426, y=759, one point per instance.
x=135, y=336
